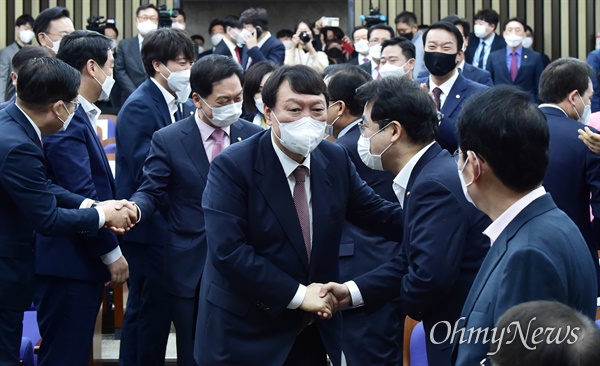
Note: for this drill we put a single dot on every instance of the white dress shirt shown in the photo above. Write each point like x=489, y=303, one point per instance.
x=140, y=40
x=169, y=99
x=488, y=48
x=91, y=110
x=374, y=70
x=232, y=48
x=445, y=87
x=289, y=165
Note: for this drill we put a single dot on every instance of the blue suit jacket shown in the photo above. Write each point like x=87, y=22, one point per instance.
x=539, y=256
x=573, y=174
x=528, y=77
x=8, y=102
x=75, y=160
x=175, y=174
x=256, y=254
x=222, y=49
x=273, y=51
x=470, y=72
x=462, y=89
x=442, y=249
x=28, y=202
x=497, y=44
x=129, y=68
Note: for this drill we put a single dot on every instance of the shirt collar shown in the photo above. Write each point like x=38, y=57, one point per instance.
x=230, y=45
x=497, y=227
x=461, y=66
x=401, y=180
x=90, y=109
x=509, y=51
x=140, y=39
x=264, y=39
x=489, y=41
x=447, y=86
x=553, y=106
x=347, y=128
x=35, y=127
x=288, y=164
x=169, y=98
x=205, y=129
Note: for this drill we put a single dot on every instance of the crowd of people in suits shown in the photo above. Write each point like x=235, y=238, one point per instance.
x=291, y=199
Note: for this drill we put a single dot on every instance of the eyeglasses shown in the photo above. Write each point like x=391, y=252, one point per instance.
x=60, y=34
x=144, y=18
x=362, y=127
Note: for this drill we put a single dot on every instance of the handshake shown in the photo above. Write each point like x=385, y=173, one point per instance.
x=326, y=299
x=120, y=216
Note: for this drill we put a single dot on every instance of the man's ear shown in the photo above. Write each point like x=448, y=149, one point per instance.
x=397, y=131
x=268, y=116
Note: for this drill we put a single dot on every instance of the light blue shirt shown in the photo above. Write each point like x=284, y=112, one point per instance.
x=488, y=47
x=419, y=61
x=509, y=52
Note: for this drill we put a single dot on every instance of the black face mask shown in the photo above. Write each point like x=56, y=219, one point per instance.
x=438, y=63
x=408, y=35
x=334, y=53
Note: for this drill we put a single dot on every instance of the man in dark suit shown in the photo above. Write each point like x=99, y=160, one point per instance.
x=177, y=165
x=537, y=252
x=573, y=175
x=515, y=64
x=448, y=87
x=371, y=336
x=442, y=246
x=360, y=39
x=152, y=106
x=50, y=26
x=262, y=46
x=376, y=35
x=129, y=68
x=484, y=40
x=71, y=271
x=28, y=200
x=216, y=30
x=268, y=248
x=232, y=44
x=397, y=58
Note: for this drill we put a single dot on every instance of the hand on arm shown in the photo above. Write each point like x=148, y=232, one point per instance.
x=590, y=139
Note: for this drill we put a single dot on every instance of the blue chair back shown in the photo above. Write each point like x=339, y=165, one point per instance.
x=418, y=351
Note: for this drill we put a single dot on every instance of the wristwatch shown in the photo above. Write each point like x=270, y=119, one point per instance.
x=95, y=204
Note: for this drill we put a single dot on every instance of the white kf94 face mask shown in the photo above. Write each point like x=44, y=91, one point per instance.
x=301, y=136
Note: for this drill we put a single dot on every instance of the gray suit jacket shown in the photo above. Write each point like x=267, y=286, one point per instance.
x=129, y=70
x=7, y=89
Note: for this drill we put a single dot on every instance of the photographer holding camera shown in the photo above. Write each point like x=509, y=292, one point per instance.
x=303, y=51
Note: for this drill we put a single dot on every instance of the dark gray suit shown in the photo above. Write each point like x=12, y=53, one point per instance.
x=7, y=89
x=129, y=69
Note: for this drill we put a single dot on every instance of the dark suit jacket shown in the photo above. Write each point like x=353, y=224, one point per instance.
x=367, y=67
x=497, y=44
x=573, y=174
x=76, y=161
x=256, y=254
x=222, y=49
x=28, y=202
x=7, y=103
x=528, y=77
x=273, y=51
x=539, y=256
x=129, y=69
x=470, y=72
x=205, y=53
x=462, y=89
x=442, y=249
x=177, y=165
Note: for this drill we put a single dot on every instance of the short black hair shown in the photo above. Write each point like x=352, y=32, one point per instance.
x=408, y=48
x=82, y=45
x=252, y=80
x=337, y=32
x=583, y=336
x=528, y=28
x=359, y=28
x=561, y=77
x=27, y=53
x=402, y=100
x=302, y=79
x=258, y=17
x=182, y=13
x=285, y=33
x=343, y=83
x=146, y=6
x=24, y=19
x=197, y=36
x=447, y=27
x=214, y=23
x=166, y=44
x=110, y=26
x=505, y=129
x=232, y=21
x=518, y=20
x=488, y=15
x=42, y=22
x=380, y=26
x=212, y=69
x=44, y=80
x=406, y=17
x=456, y=20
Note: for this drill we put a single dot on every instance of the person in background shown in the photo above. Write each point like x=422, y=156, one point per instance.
x=262, y=46
x=408, y=27
x=113, y=104
x=50, y=26
x=199, y=41
x=23, y=36
x=484, y=39
x=335, y=48
x=593, y=59
x=360, y=39
x=112, y=33
x=376, y=35
x=528, y=43
x=233, y=43
x=216, y=31
x=303, y=51
x=254, y=80
x=397, y=58
x=285, y=36
x=178, y=21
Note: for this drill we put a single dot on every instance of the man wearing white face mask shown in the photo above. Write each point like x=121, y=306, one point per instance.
x=233, y=43
x=129, y=69
x=397, y=58
x=484, y=39
x=75, y=160
x=178, y=21
x=376, y=35
x=442, y=245
x=178, y=164
x=50, y=26
x=515, y=64
x=360, y=37
x=167, y=55
x=216, y=31
x=23, y=36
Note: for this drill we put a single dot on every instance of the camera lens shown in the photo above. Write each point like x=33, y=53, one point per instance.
x=305, y=37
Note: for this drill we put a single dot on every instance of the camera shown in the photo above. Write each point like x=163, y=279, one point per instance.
x=374, y=17
x=305, y=37
x=96, y=24
x=165, y=15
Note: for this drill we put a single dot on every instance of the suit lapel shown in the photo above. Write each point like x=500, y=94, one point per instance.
x=194, y=146
x=137, y=55
x=21, y=119
x=96, y=139
x=244, y=56
x=431, y=153
x=320, y=188
x=455, y=96
x=160, y=102
x=525, y=62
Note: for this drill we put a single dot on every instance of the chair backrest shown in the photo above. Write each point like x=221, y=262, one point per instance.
x=418, y=351
x=598, y=323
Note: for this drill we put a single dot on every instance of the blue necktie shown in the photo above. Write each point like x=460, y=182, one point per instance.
x=481, y=54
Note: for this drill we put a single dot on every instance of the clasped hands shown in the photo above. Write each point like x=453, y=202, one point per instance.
x=325, y=299
x=120, y=216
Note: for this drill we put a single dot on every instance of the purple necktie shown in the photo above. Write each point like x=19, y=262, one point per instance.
x=513, y=66
x=217, y=137
x=301, y=203
x=365, y=60
x=436, y=97
x=378, y=74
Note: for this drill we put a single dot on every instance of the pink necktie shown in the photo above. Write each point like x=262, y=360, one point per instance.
x=301, y=203
x=513, y=66
x=217, y=137
x=378, y=74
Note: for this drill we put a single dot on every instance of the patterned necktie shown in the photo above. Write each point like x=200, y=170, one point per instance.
x=514, y=69
x=301, y=203
x=217, y=137
x=436, y=97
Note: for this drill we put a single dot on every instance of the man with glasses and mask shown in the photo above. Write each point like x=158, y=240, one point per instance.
x=177, y=164
x=274, y=211
x=50, y=26
x=442, y=246
x=167, y=54
x=536, y=251
x=46, y=102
